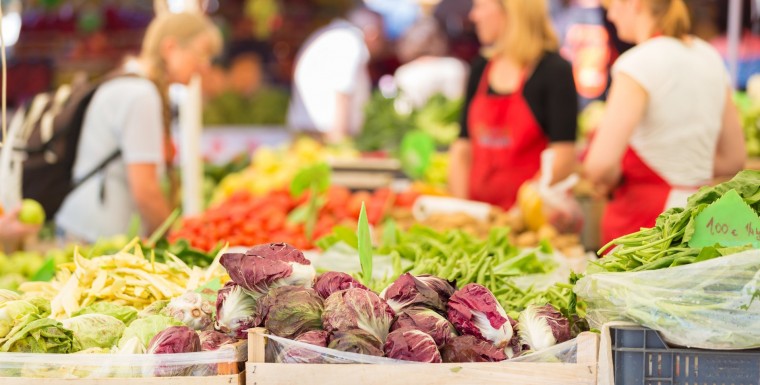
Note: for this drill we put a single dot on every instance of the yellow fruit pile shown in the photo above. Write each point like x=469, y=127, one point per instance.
x=273, y=168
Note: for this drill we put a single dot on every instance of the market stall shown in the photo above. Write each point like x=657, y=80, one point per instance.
x=302, y=262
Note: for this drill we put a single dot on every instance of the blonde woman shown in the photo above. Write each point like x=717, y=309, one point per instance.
x=670, y=124
x=520, y=100
x=126, y=128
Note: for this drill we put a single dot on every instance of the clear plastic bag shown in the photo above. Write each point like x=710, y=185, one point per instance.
x=211, y=363
x=713, y=304
x=283, y=350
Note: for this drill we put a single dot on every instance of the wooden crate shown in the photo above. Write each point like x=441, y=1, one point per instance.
x=584, y=372
x=231, y=379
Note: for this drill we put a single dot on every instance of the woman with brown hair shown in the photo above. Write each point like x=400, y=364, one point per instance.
x=521, y=100
x=670, y=125
x=128, y=123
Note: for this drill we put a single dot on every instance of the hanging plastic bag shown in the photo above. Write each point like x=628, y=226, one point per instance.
x=710, y=305
x=542, y=203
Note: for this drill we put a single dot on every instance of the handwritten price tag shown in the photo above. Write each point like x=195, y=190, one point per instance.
x=729, y=222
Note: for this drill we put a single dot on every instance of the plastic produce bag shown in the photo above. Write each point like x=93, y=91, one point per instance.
x=713, y=304
x=210, y=363
x=542, y=203
x=283, y=350
x=344, y=258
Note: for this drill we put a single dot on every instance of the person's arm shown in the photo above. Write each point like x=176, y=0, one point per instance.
x=143, y=148
x=460, y=162
x=626, y=106
x=153, y=206
x=342, y=79
x=340, y=130
x=564, y=160
x=731, y=152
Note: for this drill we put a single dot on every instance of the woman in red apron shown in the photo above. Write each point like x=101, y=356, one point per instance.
x=520, y=101
x=670, y=124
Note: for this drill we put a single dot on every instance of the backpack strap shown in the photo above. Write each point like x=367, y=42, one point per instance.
x=100, y=167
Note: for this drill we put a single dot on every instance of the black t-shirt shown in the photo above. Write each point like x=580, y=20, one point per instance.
x=550, y=93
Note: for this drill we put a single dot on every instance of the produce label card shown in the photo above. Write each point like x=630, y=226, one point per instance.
x=729, y=222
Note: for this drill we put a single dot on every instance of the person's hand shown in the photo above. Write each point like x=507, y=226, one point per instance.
x=601, y=191
x=11, y=229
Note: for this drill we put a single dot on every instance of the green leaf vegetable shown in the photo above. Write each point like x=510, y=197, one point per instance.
x=95, y=330
x=315, y=180
x=144, y=329
x=32, y=334
x=666, y=244
x=384, y=127
x=457, y=256
x=125, y=314
x=365, y=246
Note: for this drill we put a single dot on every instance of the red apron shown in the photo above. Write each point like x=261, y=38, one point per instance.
x=507, y=142
x=637, y=202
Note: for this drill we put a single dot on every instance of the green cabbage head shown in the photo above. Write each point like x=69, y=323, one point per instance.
x=95, y=330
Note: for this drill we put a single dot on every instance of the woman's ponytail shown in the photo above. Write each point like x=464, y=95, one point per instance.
x=673, y=15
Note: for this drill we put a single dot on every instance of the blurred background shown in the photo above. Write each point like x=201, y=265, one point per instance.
x=49, y=41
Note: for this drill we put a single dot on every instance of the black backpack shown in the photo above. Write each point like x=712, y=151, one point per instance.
x=53, y=128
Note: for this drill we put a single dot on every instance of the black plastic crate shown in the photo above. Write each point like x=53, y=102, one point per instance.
x=641, y=357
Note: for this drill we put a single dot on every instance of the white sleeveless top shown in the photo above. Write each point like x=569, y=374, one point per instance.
x=687, y=86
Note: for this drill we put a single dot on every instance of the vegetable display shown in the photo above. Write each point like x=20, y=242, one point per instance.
x=456, y=256
x=356, y=341
x=144, y=329
x=292, y=311
x=468, y=348
x=667, y=243
x=273, y=168
x=95, y=330
x=246, y=220
x=266, y=266
x=385, y=124
x=431, y=315
x=520, y=233
x=410, y=344
x=332, y=282
x=172, y=340
x=123, y=278
x=749, y=110
x=680, y=278
x=125, y=314
x=428, y=321
x=422, y=290
x=236, y=311
x=314, y=337
x=358, y=309
x=213, y=340
x=175, y=339
x=542, y=327
x=32, y=334
x=474, y=310
x=192, y=310
x=296, y=355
